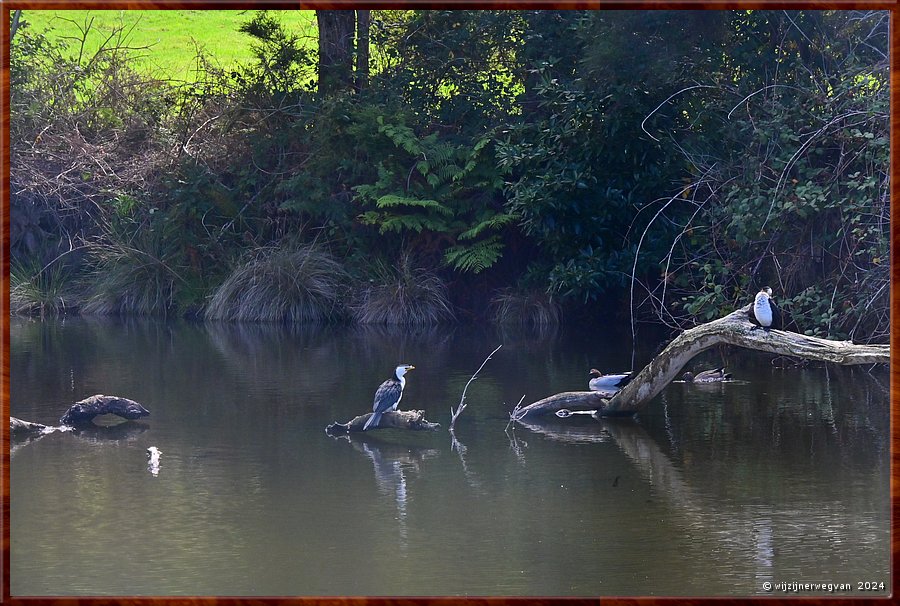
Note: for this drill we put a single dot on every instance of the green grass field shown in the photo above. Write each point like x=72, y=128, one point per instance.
x=172, y=37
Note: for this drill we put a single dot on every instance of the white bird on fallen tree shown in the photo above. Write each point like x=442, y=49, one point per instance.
x=611, y=382
x=388, y=395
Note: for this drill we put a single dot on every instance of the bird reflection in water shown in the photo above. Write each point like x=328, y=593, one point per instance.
x=393, y=463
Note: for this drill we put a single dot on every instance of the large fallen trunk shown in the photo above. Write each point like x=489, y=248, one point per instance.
x=733, y=329
x=399, y=419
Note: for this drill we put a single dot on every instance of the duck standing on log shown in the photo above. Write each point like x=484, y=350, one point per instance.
x=388, y=395
x=706, y=376
x=766, y=313
x=602, y=382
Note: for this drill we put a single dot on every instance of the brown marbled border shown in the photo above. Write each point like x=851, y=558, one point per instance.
x=8, y=5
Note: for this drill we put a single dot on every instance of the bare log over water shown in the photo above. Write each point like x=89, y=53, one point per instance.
x=83, y=411
x=400, y=419
x=733, y=329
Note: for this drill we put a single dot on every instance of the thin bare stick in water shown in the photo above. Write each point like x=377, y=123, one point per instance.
x=462, y=400
x=515, y=411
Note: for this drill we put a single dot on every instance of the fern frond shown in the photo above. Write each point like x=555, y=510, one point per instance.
x=393, y=201
x=474, y=258
x=416, y=223
x=494, y=221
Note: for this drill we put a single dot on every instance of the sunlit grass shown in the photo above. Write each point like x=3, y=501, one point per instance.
x=168, y=40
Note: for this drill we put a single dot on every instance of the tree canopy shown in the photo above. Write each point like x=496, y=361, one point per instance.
x=662, y=164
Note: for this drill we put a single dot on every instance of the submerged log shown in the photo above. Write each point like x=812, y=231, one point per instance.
x=84, y=411
x=569, y=400
x=400, y=419
x=733, y=329
x=20, y=427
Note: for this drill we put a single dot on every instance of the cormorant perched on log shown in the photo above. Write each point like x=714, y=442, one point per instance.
x=388, y=395
x=602, y=382
x=706, y=376
x=766, y=313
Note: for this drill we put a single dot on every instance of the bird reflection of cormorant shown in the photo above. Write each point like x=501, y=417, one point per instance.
x=388, y=395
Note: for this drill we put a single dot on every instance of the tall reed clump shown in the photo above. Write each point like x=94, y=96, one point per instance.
x=512, y=306
x=290, y=283
x=36, y=290
x=402, y=294
x=134, y=272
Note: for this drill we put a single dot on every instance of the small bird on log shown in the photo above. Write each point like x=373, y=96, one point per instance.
x=706, y=376
x=766, y=313
x=388, y=395
x=602, y=382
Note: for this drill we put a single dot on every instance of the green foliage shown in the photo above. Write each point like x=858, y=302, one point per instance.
x=798, y=196
x=693, y=156
x=442, y=192
x=284, y=63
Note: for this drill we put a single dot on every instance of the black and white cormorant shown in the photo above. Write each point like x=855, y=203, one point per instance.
x=706, y=376
x=388, y=395
x=765, y=311
x=602, y=382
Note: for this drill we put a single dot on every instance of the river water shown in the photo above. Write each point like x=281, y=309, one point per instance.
x=779, y=477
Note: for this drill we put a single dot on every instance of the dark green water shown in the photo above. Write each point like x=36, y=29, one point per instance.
x=782, y=476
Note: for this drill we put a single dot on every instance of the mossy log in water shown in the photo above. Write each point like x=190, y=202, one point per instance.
x=84, y=411
x=400, y=419
x=733, y=329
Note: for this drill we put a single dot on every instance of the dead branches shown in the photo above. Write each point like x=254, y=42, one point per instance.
x=462, y=401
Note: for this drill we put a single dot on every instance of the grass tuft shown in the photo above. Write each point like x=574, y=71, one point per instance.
x=511, y=306
x=292, y=283
x=402, y=295
x=36, y=290
x=134, y=272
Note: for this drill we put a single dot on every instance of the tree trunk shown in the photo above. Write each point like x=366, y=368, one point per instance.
x=15, y=24
x=335, y=49
x=363, y=18
x=733, y=329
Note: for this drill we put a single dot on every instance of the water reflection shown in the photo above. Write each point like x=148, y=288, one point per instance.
x=392, y=465
x=785, y=471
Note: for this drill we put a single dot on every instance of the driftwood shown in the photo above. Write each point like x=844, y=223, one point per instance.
x=400, y=419
x=20, y=427
x=84, y=411
x=733, y=329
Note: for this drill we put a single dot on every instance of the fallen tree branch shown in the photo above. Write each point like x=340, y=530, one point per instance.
x=462, y=400
x=733, y=329
x=399, y=419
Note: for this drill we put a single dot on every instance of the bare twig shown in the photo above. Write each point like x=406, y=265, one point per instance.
x=513, y=416
x=462, y=401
